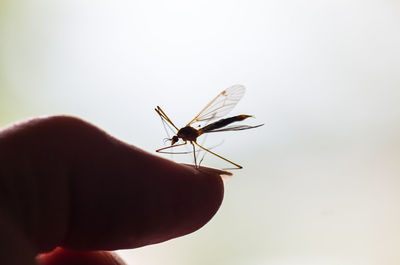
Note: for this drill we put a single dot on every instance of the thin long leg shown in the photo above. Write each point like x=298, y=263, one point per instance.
x=166, y=126
x=238, y=166
x=176, y=153
x=212, y=147
x=166, y=119
x=163, y=115
x=171, y=146
x=197, y=151
x=194, y=154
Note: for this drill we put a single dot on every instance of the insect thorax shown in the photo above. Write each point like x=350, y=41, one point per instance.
x=188, y=133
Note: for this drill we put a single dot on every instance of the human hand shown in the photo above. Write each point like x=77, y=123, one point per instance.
x=65, y=183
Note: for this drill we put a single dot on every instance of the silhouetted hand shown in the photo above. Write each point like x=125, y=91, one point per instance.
x=65, y=183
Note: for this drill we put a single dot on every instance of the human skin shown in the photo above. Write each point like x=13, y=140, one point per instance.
x=72, y=191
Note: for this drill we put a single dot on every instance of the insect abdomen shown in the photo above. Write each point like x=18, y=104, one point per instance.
x=223, y=122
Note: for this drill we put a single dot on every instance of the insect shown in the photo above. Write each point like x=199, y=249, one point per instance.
x=205, y=121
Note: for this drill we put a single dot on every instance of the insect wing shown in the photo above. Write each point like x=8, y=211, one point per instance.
x=221, y=105
x=234, y=128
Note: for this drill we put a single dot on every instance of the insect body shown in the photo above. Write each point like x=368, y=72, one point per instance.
x=217, y=108
x=186, y=134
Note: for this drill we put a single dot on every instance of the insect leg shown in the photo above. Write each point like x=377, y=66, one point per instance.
x=165, y=117
x=171, y=146
x=194, y=154
x=227, y=160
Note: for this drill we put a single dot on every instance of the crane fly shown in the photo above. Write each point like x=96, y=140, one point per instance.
x=217, y=108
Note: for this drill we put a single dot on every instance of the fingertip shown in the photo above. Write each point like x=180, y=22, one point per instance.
x=100, y=193
x=207, y=192
x=141, y=198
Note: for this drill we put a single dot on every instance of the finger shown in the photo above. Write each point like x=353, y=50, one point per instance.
x=62, y=256
x=73, y=185
x=15, y=249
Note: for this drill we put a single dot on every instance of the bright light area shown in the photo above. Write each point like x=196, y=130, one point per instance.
x=321, y=179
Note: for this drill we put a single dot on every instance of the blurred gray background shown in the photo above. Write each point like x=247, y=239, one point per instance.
x=320, y=183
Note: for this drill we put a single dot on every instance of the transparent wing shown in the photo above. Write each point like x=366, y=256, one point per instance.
x=235, y=128
x=221, y=105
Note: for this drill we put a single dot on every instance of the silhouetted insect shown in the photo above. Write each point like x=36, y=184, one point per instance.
x=217, y=108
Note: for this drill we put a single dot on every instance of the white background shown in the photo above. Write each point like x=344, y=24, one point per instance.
x=320, y=183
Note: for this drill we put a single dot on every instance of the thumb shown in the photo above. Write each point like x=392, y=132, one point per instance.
x=64, y=182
